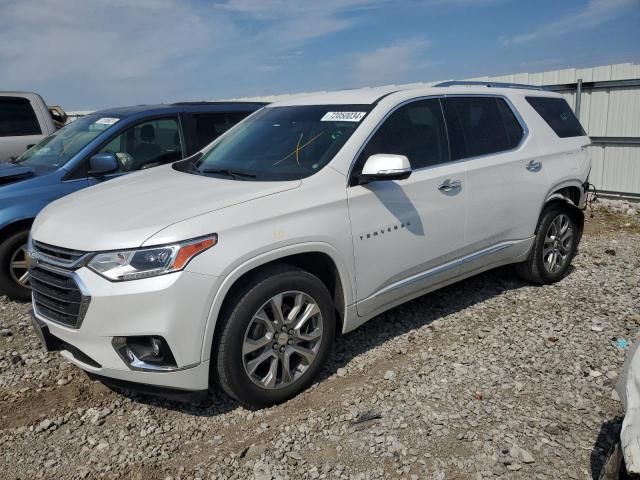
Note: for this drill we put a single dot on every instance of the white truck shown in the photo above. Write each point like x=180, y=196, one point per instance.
x=239, y=265
x=25, y=119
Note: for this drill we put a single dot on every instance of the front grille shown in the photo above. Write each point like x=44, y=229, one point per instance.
x=56, y=293
x=58, y=256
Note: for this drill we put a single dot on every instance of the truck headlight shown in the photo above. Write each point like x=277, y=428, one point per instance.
x=150, y=261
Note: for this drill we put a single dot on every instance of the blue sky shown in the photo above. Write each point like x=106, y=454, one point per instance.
x=88, y=54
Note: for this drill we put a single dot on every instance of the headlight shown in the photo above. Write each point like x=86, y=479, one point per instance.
x=148, y=262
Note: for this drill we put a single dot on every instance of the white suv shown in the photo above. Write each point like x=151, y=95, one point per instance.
x=240, y=264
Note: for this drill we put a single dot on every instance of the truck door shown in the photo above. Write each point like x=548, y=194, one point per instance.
x=19, y=126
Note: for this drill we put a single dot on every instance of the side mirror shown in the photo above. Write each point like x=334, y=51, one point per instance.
x=384, y=166
x=102, y=164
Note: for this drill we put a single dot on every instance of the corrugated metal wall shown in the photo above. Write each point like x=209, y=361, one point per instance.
x=612, y=112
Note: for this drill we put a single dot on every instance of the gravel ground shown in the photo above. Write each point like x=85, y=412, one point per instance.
x=487, y=378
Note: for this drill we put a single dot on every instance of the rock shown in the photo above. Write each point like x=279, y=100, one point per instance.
x=17, y=360
x=389, y=375
x=596, y=328
x=44, y=425
x=255, y=451
x=5, y=332
x=341, y=372
x=610, y=251
x=526, y=457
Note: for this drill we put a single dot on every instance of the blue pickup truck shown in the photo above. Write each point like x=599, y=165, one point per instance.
x=92, y=149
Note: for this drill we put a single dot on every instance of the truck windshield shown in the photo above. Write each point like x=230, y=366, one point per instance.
x=59, y=147
x=280, y=143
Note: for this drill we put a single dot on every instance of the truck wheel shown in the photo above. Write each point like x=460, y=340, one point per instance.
x=275, y=336
x=554, y=247
x=14, y=276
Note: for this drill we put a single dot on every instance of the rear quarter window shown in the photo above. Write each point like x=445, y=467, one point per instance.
x=17, y=118
x=558, y=115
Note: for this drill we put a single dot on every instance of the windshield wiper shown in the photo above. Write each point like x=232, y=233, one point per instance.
x=228, y=172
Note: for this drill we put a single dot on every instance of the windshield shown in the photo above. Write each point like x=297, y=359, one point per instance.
x=282, y=143
x=59, y=147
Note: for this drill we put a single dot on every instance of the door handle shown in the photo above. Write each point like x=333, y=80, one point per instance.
x=534, y=166
x=449, y=185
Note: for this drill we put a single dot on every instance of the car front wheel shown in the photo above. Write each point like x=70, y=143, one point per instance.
x=275, y=337
x=14, y=275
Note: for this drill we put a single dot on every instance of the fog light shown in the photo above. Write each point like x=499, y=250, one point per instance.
x=130, y=355
x=145, y=353
x=155, y=344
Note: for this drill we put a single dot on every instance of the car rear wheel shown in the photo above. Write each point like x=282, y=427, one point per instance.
x=275, y=337
x=14, y=275
x=555, y=245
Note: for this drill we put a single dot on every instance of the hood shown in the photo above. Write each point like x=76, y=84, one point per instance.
x=10, y=173
x=123, y=213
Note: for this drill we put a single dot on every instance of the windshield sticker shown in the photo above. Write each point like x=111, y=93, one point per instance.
x=343, y=116
x=106, y=121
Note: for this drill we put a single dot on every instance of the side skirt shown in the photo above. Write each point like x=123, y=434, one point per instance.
x=425, y=282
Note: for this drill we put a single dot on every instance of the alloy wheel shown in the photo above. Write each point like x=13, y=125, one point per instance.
x=558, y=242
x=282, y=340
x=18, y=266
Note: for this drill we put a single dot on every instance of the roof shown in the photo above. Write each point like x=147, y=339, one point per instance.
x=367, y=96
x=182, y=107
x=359, y=96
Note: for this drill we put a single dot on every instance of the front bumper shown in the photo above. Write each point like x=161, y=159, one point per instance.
x=174, y=306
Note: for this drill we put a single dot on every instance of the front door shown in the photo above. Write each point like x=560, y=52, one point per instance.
x=145, y=145
x=405, y=232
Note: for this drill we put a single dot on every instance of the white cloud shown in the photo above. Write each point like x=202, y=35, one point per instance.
x=110, y=48
x=389, y=64
x=593, y=14
x=291, y=21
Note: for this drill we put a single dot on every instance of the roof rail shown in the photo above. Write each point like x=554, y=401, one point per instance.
x=223, y=102
x=454, y=83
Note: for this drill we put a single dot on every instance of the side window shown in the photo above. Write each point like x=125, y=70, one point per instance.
x=17, y=118
x=558, y=115
x=148, y=144
x=209, y=126
x=480, y=126
x=415, y=130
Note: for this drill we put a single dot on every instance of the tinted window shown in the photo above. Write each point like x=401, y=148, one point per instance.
x=557, y=113
x=209, y=126
x=480, y=126
x=415, y=130
x=148, y=144
x=17, y=118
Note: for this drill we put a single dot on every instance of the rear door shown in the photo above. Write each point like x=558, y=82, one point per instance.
x=505, y=186
x=406, y=231
x=566, y=155
x=19, y=126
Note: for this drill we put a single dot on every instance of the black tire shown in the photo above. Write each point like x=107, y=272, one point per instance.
x=535, y=269
x=8, y=285
x=227, y=353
